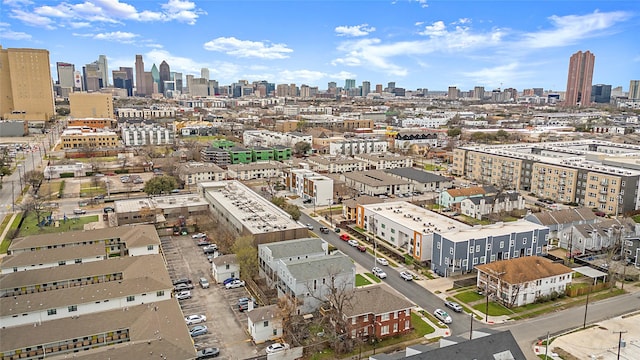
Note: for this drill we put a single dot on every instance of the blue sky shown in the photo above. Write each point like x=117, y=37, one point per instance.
x=417, y=44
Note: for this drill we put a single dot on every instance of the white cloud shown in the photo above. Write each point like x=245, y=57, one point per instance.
x=356, y=30
x=32, y=19
x=247, y=48
x=7, y=33
x=79, y=24
x=462, y=21
x=302, y=76
x=118, y=36
x=498, y=75
x=438, y=28
x=569, y=29
x=423, y=3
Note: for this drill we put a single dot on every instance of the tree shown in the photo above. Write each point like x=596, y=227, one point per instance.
x=160, y=185
x=453, y=132
x=247, y=256
x=34, y=178
x=502, y=135
x=34, y=203
x=302, y=147
x=293, y=210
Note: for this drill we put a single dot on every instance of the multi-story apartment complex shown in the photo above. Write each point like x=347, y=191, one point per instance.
x=216, y=155
x=147, y=135
x=376, y=183
x=193, y=173
x=450, y=246
x=271, y=138
x=256, y=170
x=384, y=161
x=26, y=85
x=335, y=164
x=596, y=174
x=310, y=185
x=91, y=105
x=272, y=256
x=96, y=123
x=153, y=113
x=76, y=138
x=358, y=146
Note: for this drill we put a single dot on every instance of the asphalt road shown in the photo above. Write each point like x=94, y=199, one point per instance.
x=417, y=294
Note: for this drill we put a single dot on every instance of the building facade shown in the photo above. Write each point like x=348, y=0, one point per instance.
x=578, y=92
x=147, y=135
x=91, y=105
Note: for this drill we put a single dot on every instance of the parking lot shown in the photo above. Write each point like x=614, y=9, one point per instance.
x=227, y=326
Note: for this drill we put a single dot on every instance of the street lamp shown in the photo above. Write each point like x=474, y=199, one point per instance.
x=19, y=166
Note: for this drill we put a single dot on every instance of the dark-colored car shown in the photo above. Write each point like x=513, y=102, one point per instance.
x=324, y=229
x=182, y=287
x=108, y=209
x=181, y=281
x=228, y=280
x=207, y=353
x=362, y=248
x=198, y=330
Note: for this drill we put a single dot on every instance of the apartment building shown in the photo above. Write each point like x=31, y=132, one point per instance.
x=270, y=255
x=384, y=161
x=376, y=183
x=165, y=210
x=522, y=281
x=133, y=135
x=450, y=246
x=334, y=165
x=193, y=173
x=482, y=206
x=26, y=85
x=96, y=123
x=421, y=180
x=75, y=138
x=310, y=185
x=91, y=105
x=272, y=138
x=358, y=146
x=256, y=170
x=215, y=155
x=244, y=212
x=152, y=113
x=592, y=173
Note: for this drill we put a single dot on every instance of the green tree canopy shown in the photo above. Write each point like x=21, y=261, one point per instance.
x=453, y=132
x=247, y=256
x=302, y=147
x=160, y=184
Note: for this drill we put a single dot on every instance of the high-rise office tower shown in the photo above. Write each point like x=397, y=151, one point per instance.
x=104, y=70
x=304, y=91
x=452, y=94
x=634, y=89
x=123, y=79
x=91, y=77
x=25, y=85
x=478, y=92
x=65, y=74
x=379, y=88
x=78, y=81
x=331, y=87
x=578, y=90
x=155, y=74
x=349, y=84
x=140, y=88
x=601, y=93
x=177, y=77
x=293, y=90
x=165, y=75
x=538, y=91
x=204, y=73
x=391, y=86
x=366, y=88
x=189, y=83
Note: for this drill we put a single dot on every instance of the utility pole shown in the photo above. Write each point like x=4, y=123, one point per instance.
x=584, y=323
x=471, y=326
x=546, y=347
x=619, y=341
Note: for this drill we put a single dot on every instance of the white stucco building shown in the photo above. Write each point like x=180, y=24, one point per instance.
x=264, y=324
x=269, y=255
x=310, y=185
x=147, y=135
x=224, y=267
x=358, y=146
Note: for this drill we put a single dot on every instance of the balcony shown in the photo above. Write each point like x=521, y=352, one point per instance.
x=602, y=200
x=541, y=171
x=604, y=182
x=563, y=176
x=604, y=191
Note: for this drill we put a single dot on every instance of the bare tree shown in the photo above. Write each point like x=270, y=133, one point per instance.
x=34, y=203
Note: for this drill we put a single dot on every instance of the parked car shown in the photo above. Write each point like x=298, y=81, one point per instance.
x=443, y=316
x=345, y=237
x=378, y=272
x=204, y=283
x=353, y=243
x=307, y=201
x=362, y=248
x=277, y=347
x=406, y=275
x=79, y=211
x=195, y=319
x=228, y=280
x=235, y=284
x=108, y=209
x=324, y=229
x=382, y=261
x=199, y=236
x=204, y=242
x=337, y=230
x=453, y=306
x=181, y=281
x=210, y=249
x=182, y=287
x=198, y=330
x=245, y=306
x=309, y=226
x=207, y=353
x=183, y=295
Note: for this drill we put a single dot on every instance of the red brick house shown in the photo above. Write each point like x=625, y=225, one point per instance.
x=376, y=311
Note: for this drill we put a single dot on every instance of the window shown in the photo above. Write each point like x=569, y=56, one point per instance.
x=478, y=248
x=131, y=298
x=78, y=261
x=407, y=325
x=149, y=247
x=73, y=308
x=384, y=330
x=471, y=249
x=384, y=317
x=266, y=323
x=438, y=245
x=450, y=251
x=160, y=293
x=524, y=241
x=489, y=246
x=395, y=327
x=52, y=312
x=501, y=244
x=475, y=261
x=353, y=320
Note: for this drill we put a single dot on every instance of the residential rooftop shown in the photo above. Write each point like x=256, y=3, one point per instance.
x=374, y=178
x=312, y=268
x=377, y=299
x=420, y=176
x=294, y=248
x=27, y=258
x=159, y=202
x=524, y=269
x=260, y=165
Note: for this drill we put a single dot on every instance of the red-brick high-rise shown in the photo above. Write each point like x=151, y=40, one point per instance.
x=579, y=79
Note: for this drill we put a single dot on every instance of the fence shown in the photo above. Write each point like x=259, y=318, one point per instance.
x=573, y=292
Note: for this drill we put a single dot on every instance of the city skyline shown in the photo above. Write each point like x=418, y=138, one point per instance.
x=417, y=44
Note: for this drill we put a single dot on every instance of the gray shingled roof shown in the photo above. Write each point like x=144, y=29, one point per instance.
x=564, y=216
x=313, y=268
x=420, y=176
x=375, y=300
x=264, y=313
x=293, y=248
x=501, y=346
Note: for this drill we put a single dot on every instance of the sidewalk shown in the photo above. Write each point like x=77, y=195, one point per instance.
x=5, y=231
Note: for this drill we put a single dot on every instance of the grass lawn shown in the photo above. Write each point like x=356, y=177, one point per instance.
x=361, y=280
x=49, y=188
x=636, y=218
x=468, y=296
x=421, y=327
x=474, y=221
x=98, y=159
x=205, y=138
x=495, y=309
x=14, y=225
x=373, y=277
x=30, y=226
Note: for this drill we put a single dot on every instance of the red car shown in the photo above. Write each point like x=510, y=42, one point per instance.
x=362, y=248
x=344, y=237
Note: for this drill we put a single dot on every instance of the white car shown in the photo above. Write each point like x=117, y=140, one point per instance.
x=195, y=319
x=353, y=242
x=406, y=275
x=443, y=316
x=378, y=272
x=273, y=348
x=183, y=295
x=382, y=261
x=199, y=236
x=235, y=284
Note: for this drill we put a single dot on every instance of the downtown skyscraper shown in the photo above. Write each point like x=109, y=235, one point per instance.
x=579, y=79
